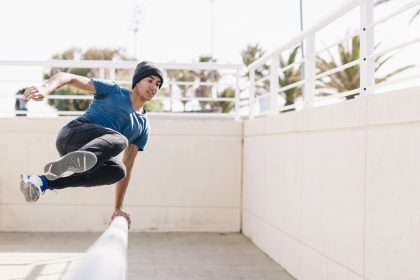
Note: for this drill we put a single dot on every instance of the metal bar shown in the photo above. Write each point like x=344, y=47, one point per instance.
x=118, y=64
x=263, y=79
x=193, y=114
x=262, y=96
x=237, y=97
x=337, y=69
x=310, y=69
x=288, y=107
x=401, y=10
x=107, y=258
x=341, y=94
x=70, y=97
x=367, y=48
x=274, y=84
x=282, y=89
x=397, y=47
x=396, y=81
x=102, y=73
x=335, y=14
x=290, y=66
x=351, y=35
x=251, y=93
x=90, y=97
x=112, y=73
x=200, y=83
x=222, y=99
x=69, y=113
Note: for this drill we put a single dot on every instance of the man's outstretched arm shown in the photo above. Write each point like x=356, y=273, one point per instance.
x=130, y=154
x=58, y=80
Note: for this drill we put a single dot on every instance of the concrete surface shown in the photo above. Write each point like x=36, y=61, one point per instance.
x=151, y=256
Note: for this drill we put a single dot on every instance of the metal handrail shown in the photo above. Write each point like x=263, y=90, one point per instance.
x=231, y=74
x=345, y=8
x=107, y=258
x=396, y=13
x=366, y=61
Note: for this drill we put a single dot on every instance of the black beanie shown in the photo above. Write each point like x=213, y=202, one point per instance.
x=146, y=69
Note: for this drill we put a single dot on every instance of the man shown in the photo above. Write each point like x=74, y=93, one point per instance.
x=115, y=121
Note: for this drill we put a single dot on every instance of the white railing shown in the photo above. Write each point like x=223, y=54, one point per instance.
x=271, y=71
x=189, y=89
x=199, y=89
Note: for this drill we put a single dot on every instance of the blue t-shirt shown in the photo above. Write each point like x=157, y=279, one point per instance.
x=112, y=108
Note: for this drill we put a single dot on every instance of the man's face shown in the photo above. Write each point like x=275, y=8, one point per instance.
x=148, y=87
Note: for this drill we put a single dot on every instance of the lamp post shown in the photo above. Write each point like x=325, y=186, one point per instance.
x=301, y=14
x=135, y=23
x=212, y=29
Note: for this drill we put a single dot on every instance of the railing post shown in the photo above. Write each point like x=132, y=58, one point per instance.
x=237, y=96
x=102, y=73
x=309, y=71
x=107, y=258
x=251, y=93
x=274, y=83
x=172, y=95
x=112, y=73
x=367, y=61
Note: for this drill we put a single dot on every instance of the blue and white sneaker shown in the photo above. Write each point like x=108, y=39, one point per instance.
x=74, y=162
x=30, y=186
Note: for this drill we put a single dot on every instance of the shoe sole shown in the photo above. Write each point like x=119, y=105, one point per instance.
x=74, y=162
x=30, y=192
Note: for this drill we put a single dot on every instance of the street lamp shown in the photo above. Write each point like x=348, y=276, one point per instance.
x=212, y=29
x=135, y=23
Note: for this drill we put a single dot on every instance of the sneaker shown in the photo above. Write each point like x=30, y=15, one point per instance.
x=30, y=186
x=74, y=162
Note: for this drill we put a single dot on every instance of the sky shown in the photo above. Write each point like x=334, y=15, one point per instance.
x=183, y=30
x=180, y=31
x=168, y=30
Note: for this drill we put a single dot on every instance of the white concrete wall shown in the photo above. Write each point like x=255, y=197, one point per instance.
x=188, y=179
x=330, y=193
x=334, y=192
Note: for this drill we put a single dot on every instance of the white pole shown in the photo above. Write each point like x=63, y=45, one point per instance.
x=309, y=74
x=251, y=93
x=274, y=83
x=212, y=30
x=367, y=64
x=107, y=258
x=237, y=97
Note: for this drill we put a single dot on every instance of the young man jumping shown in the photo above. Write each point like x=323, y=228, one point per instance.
x=115, y=121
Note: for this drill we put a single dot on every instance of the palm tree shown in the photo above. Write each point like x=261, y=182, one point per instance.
x=206, y=76
x=252, y=53
x=224, y=106
x=249, y=55
x=181, y=76
x=90, y=54
x=349, y=78
x=290, y=76
x=380, y=2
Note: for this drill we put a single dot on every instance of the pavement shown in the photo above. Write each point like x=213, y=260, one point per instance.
x=151, y=256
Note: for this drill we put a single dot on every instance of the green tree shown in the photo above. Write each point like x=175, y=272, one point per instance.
x=89, y=54
x=72, y=54
x=180, y=76
x=290, y=76
x=349, y=78
x=204, y=76
x=154, y=106
x=224, y=106
x=380, y=2
x=249, y=55
x=253, y=52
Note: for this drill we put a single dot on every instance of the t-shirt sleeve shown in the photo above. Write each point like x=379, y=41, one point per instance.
x=142, y=140
x=103, y=87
